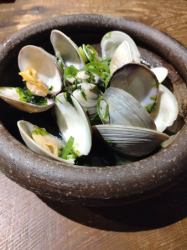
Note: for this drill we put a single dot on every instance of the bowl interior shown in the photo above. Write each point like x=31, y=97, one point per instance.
x=102, y=155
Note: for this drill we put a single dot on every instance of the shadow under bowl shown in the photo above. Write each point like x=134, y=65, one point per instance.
x=92, y=186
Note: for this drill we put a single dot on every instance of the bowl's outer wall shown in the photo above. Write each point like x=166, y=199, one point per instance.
x=93, y=185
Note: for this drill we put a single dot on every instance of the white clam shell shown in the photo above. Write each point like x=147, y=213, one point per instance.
x=113, y=39
x=67, y=48
x=25, y=129
x=45, y=65
x=160, y=73
x=10, y=95
x=166, y=109
x=72, y=121
x=124, y=109
x=132, y=141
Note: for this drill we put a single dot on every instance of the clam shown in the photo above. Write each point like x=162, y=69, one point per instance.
x=41, y=142
x=113, y=39
x=122, y=56
x=73, y=122
x=40, y=72
x=33, y=57
x=166, y=109
x=125, y=110
x=132, y=141
x=39, y=62
x=139, y=81
x=11, y=96
x=87, y=95
x=67, y=49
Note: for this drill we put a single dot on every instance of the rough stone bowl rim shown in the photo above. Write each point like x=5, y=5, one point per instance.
x=58, y=181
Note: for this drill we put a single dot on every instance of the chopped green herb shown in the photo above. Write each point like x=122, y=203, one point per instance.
x=154, y=98
x=149, y=107
x=95, y=120
x=108, y=35
x=26, y=96
x=70, y=72
x=90, y=52
x=68, y=98
x=83, y=94
x=60, y=62
x=68, y=151
x=82, y=54
x=100, y=68
x=39, y=131
x=156, y=84
x=50, y=88
x=95, y=67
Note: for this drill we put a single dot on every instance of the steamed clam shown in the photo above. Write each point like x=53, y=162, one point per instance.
x=121, y=57
x=42, y=81
x=16, y=98
x=39, y=69
x=132, y=141
x=129, y=129
x=124, y=109
x=66, y=48
x=166, y=109
x=113, y=39
x=73, y=122
x=44, y=143
x=120, y=47
x=73, y=125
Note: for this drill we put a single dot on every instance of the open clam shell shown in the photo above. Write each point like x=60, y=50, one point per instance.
x=113, y=39
x=124, y=109
x=122, y=56
x=132, y=141
x=45, y=65
x=68, y=50
x=11, y=96
x=166, y=109
x=44, y=148
x=73, y=122
x=139, y=81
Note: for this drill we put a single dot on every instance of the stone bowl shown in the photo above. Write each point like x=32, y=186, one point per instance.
x=96, y=185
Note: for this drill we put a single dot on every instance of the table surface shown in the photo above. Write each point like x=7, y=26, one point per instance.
x=27, y=222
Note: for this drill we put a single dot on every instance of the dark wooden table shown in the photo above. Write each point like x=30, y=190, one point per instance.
x=27, y=222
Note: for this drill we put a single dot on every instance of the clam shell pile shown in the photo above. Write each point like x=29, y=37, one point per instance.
x=114, y=93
